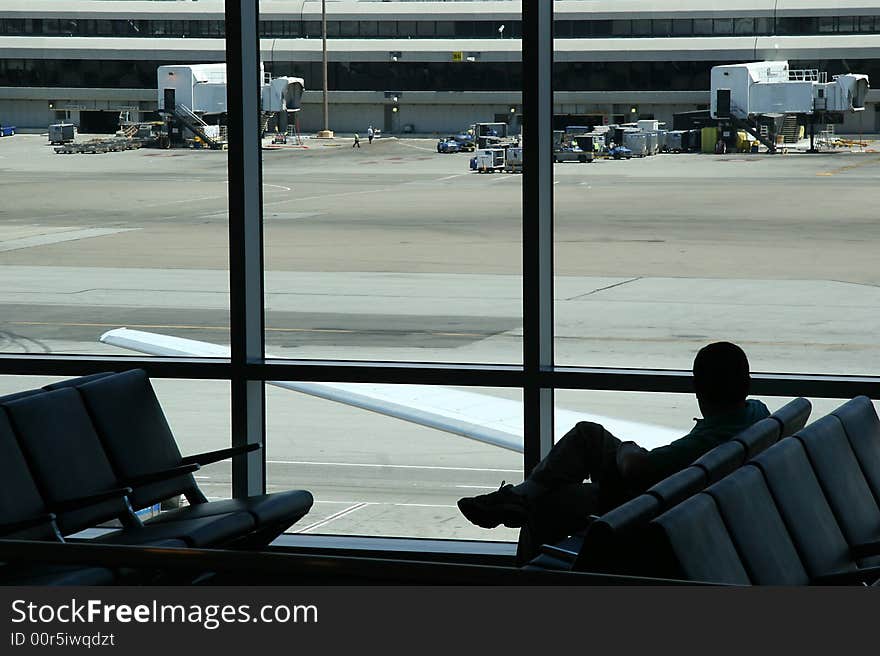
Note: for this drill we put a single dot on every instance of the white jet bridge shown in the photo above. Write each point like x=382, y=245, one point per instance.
x=190, y=92
x=748, y=94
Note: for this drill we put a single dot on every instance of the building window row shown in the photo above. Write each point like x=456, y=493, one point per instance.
x=472, y=29
x=411, y=76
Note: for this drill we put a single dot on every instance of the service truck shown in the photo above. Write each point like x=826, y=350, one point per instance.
x=489, y=160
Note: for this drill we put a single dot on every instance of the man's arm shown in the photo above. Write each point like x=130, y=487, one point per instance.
x=632, y=461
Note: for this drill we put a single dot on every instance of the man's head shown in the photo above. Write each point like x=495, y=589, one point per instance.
x=721, y=377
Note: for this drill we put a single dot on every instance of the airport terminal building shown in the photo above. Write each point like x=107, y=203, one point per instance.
x=424, y=67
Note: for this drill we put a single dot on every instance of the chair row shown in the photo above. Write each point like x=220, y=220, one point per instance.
x=804, y=511
x=612, y=543
x=90, y=450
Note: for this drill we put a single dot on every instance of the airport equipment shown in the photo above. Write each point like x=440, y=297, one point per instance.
x=620, y=152
x=99, y=146
x=192, y=97
x=489, y=160
x=448, y=145
x=746, y=95
x=636, y=141
x=513, y=163
x=7, y=130
x=572, y=153
x=61, y=133
x=491, y=135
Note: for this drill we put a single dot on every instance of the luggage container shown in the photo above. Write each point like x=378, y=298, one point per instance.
x=61, y=133
x=637, y=142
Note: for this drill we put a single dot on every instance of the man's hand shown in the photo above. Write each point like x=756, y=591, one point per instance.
x=631, y=460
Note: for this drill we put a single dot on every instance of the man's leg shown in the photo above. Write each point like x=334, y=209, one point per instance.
x=586, y=451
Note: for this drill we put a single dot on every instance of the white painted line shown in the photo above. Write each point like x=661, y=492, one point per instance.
x=266, y=184
x=59, y=237
x=334, y=516
x=422, y=505
x=432, y=150
x=450, y=177
x=380, y=466
x=477, y=487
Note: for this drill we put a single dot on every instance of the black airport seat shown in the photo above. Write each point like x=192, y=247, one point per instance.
x=793, y=416
x=611, y=542
x=691, y=542
x=140, y=445
x=760, y=435
x=862, y=427
x=804, y=508
x=842, y=480
x=756, y=528
x=76, y=481
x=722, y=460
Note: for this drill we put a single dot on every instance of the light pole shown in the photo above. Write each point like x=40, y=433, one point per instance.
x=326, y=132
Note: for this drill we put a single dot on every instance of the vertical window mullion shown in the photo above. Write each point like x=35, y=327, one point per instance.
x=537, y=220
x=245, y=242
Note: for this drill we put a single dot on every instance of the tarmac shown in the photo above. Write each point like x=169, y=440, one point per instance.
x=395, y=252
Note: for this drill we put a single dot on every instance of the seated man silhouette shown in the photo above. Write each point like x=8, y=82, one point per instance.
x=554, y=501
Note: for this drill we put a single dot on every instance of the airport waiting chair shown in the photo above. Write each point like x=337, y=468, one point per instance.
x=611, y=542
x=25, y=516
x=862, y=427
x=757, y=529
x=804, y=508
x=792, y=416
x=843, y=481
x=722, y=460
x=76, y=481
x=139, y=443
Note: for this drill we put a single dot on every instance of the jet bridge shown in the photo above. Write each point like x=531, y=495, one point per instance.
x=752, y=94
x=190, y=93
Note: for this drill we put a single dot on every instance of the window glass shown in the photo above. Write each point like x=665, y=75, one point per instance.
x=375, y=475
x=744, y=26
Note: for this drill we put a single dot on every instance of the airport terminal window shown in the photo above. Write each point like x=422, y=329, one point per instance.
x=564, y=28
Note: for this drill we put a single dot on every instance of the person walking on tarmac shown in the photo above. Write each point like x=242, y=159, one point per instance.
x=370, y=134
x=357, y=140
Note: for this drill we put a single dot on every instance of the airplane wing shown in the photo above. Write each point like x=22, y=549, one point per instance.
x=474, y=415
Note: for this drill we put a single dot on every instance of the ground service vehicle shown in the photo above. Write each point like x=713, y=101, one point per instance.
x=620, y=152
x=489, y=160
x=7, y=130
x=572, y=154
x=448, y=145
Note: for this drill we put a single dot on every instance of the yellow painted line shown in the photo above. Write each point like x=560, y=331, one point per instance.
x=849, y=167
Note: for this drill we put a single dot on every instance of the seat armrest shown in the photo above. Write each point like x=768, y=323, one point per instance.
x=12, y=527
x=222, y=454
x=91, y=499
x=863, y=575
x=162, y=475
x=865, y=549
x=558, y=552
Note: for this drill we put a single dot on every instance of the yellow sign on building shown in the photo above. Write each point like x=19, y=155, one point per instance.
x=458, y=56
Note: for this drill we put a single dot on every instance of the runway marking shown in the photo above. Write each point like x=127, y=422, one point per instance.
x=380, y=466
x=477, y=487
x=450, y=177
x=266, y=184
x=333, y=517
x=406, y=145
x=59, y=237
x=848, y=167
